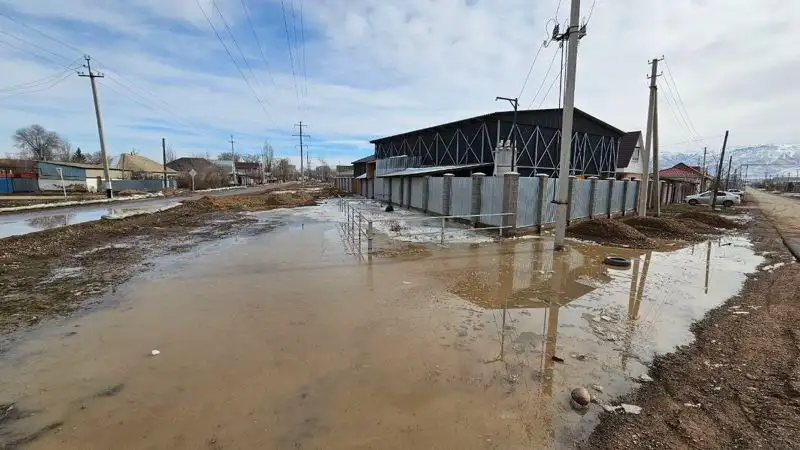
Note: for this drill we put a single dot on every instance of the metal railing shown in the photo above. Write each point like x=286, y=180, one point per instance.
x=360, y=222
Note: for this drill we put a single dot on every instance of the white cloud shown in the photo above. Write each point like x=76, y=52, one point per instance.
x=378, y=67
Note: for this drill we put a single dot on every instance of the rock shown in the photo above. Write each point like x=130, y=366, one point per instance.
x=597, y=387
x=557, y=359
x=581, y=358
x=606, y=318
x=462, y=333
x=692, y=405
x=644, y=378
x=630, y=409
x=580, y=398
x=154, y=352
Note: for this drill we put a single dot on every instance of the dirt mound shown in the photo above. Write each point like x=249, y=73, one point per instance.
x=257, y=202
x=662, y=227
x=713, y=220
x=610, y=231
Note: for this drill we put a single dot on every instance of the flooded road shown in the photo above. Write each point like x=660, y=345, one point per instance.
x=283, y=340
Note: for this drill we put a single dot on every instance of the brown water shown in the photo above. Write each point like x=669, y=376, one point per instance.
x=285, y=341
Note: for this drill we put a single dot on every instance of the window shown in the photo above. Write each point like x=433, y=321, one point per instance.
x=635, y=156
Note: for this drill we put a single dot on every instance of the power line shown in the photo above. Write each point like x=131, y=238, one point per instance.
x=530, y=70
x=258, y=41
x=291, y=53
x=37, y=46
x=34, y=83
x=680, y=100
x=591, y=11
x=303, y=49
x=673, y=107
x=544, y=79
x=64, y=76
x=548, y=91
x=236, y=43
x=40, y=32
x=43, y=58
x=233, y=60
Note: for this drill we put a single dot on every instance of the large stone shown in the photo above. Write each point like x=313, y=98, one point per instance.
x=580, y=398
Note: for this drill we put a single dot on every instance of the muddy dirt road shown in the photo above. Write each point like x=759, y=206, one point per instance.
x=283, y=339
x=784, y=212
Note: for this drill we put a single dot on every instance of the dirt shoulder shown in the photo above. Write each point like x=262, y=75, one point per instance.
x=53, y=272
x=738, y=384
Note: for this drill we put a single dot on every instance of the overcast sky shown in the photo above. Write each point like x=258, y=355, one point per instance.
x=359, y=69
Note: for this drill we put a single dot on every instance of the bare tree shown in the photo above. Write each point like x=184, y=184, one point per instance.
x=204, y=155
x=268, y=154
x=227, y=156
x=282, y=169
x=94, y=158
x=63, y=152
x=323, y=170
x=36, y=142
x=170, y=153
x=251, y=158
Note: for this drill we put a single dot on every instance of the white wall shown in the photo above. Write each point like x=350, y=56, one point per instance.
x=56, y=185
x=634, y=166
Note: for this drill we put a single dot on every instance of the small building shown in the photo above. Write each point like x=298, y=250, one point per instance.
x=18, y=175
x=681, y=180
x=248, y=173
x=364, y=176
x=629, y=163
x=75, y=175
x=143, y=168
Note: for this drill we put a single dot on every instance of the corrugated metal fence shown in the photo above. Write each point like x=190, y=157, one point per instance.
x=417, y=199
x=461, y=201
x=492, y=200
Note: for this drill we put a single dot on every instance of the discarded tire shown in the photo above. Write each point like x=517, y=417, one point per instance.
x=617, y=261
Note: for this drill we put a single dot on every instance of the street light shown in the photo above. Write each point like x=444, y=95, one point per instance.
x=515, y=103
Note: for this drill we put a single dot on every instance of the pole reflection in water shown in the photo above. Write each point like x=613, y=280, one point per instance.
x=708, y=264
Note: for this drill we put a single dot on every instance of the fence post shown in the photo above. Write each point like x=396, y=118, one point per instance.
x=610, y=198
x=636, y=197
x=475, y=197
x=510, y=191
x=369, y=236
x=408, y=193
x=447, y=193
x=541, y=202
x=592, y=195
x=625, y=197
x=441, y=238
x=390, y=189
x=425, y=192
x=570, y=189
x=359, y=232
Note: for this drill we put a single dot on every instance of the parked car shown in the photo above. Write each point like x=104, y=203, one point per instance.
x=738, y=192
x=723, y=198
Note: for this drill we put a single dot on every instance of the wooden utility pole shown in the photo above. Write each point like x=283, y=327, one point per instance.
x=644, y=184
x=574, y=32
x=703, y=180
x=91, y=75
x=719, y=172
x=164, y=155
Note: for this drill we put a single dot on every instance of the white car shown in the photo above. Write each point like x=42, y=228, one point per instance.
x=738, y=192
x=723, y=198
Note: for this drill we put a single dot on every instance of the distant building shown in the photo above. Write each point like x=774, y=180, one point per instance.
x=681, y=180
x=142, y=167
x=629, y=162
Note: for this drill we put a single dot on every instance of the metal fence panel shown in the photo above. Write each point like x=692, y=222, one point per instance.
x=580, y=203
x=630, y=200
x=549, y=210
x=435, y=190
x=527, y=196
x=140, y=185
x=379, y=187
x=417, y=185
x=600, y=206
x=492, y=200
x=461, y=196
x=617, y=199
x=24, y=184
x=396, y=190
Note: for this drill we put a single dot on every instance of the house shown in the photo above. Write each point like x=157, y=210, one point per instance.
x=143, y=168
x=681, y=180
x=18, y=175
x=249, y=173
x=629, y=163
x=200, y=165
x=75, y=175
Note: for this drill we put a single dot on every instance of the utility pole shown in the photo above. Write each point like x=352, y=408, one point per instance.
x=728, y=177
x=656, y=178
x=574, y=32
x=703, y=180
x=515, y=103
x=233, y=157
x=164, y=153
x=719, y=172
x=644, y=184
x=301, y=136
x=91, y=75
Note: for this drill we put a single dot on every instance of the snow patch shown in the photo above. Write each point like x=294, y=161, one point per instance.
x=80, y=202
x=136, y=212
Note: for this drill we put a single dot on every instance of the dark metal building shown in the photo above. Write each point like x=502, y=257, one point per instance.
x=469, y=144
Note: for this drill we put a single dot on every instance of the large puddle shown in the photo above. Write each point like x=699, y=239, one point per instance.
x=283, y=340
x=29, y=222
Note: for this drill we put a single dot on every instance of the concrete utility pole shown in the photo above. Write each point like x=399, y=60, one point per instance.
x=728, y=176
x=644, y=185
x=233, y=157
x=562, y=199
x=515, y=103
x=301, y=136
x=656, y=178
x=91, y=75
x=164, y=153
x=703, y=180
x=719, y=171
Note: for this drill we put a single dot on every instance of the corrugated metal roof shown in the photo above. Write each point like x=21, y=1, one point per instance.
x=416, y=171
x=364, y=159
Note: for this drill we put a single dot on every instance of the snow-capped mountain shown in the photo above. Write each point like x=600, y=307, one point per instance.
x=772, y=159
